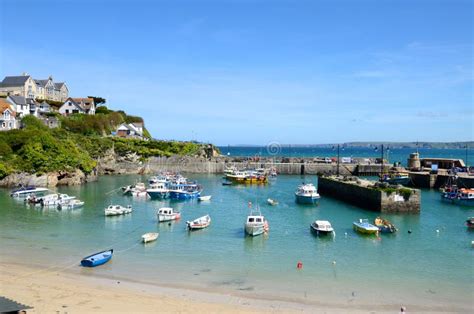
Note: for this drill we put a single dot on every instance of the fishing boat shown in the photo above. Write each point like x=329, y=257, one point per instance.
x=272, y=202
x=470, y=223
x=204, y=198
x=71, y=204
x=199, y=223
x=150, y=237
x=384, y=225
x=247, y=176
x=396, y=178
x=463, y=197
x=97, y=259
x=158, y=190
x=184, y=191
x=116, y=210
x=26, y=191
x=322, y=227
x=307, y=194
x=363, y=226
x=167, y=214
x=256, y=223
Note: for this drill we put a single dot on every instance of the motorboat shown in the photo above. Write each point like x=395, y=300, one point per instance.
x=71, y=204
x=256, y=223
x=97, y=259
x=150, y=237
x=167, y=214
x=470, y=223
x=307, y=194
x=384, y=225
x=116, y=210
x=199, y=223
x=204, y=198
x=23, y=192
x=363, y=226
x=321, y=227
x=184, y=191
x=396, y=178
x=137, y=190
x=50, y=199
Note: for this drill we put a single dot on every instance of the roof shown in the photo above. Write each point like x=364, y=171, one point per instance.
x=58, y=85
x=137, y=124
x=84, y=103
x=8, y=305
x=41, y=83
x=4, y=105
x=18, y=100
x=12, y=81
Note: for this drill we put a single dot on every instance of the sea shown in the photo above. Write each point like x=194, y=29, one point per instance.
x=428, y=262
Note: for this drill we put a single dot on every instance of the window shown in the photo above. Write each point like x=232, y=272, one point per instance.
x=4, y=125
x=67, y=110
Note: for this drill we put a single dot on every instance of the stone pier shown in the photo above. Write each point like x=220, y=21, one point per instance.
x=366, y=194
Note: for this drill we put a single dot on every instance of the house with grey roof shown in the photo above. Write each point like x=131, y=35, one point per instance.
x=21, y=105
x=23, y=85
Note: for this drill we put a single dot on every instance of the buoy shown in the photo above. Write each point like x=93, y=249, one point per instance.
x=345, y=233
x=299, y=265
x=437, y=230
x=409, y=231
x=334, y=262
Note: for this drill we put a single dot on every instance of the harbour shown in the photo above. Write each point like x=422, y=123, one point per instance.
x=418, y=262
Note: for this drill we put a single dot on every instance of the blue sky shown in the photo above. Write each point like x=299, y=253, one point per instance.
x=254, y=72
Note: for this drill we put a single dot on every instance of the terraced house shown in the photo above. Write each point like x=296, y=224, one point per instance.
x=25, y=86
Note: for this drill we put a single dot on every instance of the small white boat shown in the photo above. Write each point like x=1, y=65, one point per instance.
x=27, y=191
x=116, y=210
x=54, y=199
x=167, y=214
x=71, y=204
x=150, y=237
x=307, y=194
x=272, y=202
x=205, y=198
x=256, y=223
x=322, y=227
x=199, y=223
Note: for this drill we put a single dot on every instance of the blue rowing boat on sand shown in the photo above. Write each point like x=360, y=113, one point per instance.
x=97, y=259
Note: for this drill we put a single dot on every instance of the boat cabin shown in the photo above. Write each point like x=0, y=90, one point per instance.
x=165, y=211
x=255, y=219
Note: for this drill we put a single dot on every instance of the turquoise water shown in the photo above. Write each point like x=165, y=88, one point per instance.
x=424, y=267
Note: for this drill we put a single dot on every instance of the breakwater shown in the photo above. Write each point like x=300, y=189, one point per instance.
x=366, y=194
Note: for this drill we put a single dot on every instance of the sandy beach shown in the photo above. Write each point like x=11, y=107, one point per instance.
x=53, y=290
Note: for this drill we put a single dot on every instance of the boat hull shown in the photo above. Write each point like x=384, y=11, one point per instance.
x=363, y=230
x=158, y=194
x=184, y=195
x=97, y=259
x=254, y=230
x=163, y=218
x=307, y=199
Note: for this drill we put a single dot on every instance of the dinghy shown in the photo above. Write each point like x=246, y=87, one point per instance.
x=204, y=198
x=272, y=202
x=199, y=223
x=150, y=237
x=97, y=259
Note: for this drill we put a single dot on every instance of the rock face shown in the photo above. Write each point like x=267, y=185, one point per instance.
x=50, y=179
x=111, y=163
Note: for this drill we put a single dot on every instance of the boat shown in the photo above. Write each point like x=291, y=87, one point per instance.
x=384, y=225
x=272, y=202
x=167, y=214
x=50, y=199
x=150, y=237
x=322, y=227
x=116, y=210
x=26, y=191
x=363, y=226
x=464, y=197
x=204, y=198
x=199, y=223
x=307, y=194
x=256, y=223
x=396, y=178
x=158, y=190
x=246, y=177
x=97, y=258
x=227, y=183
x=470, y=223
x=71, y=204
x=137, y=190
x=184, y=191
